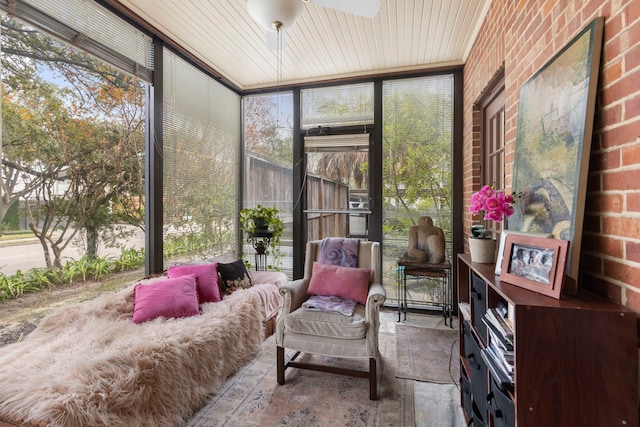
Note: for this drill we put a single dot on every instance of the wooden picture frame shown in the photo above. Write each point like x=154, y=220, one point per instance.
x=503, y=239
x=535, y=263
x=553, y=142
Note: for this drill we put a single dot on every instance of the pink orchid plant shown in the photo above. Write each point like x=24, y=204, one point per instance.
x=493, y=205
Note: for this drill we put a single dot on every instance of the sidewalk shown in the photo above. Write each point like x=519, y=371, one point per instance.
x=16, y=242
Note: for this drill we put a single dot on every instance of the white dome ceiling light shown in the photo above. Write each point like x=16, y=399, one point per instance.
x=277, y=15
x=268, y=13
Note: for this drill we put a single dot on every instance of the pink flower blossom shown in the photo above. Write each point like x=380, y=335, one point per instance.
x=479, y=199
x=495, y=205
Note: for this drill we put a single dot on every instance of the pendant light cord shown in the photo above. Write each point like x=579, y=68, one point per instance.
x=278, y=27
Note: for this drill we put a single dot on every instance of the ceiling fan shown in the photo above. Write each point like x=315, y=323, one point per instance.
x=277, y=15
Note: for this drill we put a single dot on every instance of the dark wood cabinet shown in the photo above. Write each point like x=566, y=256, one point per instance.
x=575, y=359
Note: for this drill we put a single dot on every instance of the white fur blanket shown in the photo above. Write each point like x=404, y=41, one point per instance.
x=90, y=365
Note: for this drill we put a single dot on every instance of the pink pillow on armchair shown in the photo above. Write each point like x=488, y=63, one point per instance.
x=206, y=275
x=345, y=282
x=166, y=298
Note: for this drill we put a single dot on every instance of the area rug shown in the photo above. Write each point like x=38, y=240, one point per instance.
x=253, y=398
x=427, y=354
x=439, y=405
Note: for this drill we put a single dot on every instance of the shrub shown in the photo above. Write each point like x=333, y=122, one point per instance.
x=86, y=268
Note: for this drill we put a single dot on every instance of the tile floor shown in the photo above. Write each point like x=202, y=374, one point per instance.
x=436, y=405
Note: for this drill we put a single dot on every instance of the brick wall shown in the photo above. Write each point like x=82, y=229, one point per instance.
x=522, y=36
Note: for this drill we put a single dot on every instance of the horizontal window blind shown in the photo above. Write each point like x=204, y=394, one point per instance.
x=331, y=143
x=201, y=155
x=337, y=105
x=90, y=27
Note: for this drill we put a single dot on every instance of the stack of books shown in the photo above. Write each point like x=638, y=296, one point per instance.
x=499, y=353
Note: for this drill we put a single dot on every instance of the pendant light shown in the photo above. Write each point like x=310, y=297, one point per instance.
x=268, y=12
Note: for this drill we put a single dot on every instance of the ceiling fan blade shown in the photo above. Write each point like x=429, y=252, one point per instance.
x=272, y=40
x=366, y=8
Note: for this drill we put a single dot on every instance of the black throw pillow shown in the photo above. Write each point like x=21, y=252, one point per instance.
x=234, y=276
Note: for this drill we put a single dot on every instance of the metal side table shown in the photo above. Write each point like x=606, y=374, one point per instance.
x=441, y=272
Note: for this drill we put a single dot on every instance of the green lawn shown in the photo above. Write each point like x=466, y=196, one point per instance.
x=12, y=235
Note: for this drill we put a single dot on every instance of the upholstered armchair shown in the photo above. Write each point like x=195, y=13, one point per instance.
x=328, y=333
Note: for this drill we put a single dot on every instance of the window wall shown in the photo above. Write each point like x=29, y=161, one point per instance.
x=417, y=141
x=402, y=156
x=207, y=176
x=268, y=166
x=73, y=158
x=195, y=141
x=201, y=164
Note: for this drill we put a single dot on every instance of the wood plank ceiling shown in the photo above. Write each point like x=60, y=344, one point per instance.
x=323, y=44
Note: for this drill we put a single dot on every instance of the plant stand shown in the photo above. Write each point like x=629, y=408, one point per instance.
x=260, y=240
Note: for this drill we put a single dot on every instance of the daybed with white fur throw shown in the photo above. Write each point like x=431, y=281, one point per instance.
x=90, y=365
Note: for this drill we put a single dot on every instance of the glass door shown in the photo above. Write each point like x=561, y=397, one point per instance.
x=336, y=183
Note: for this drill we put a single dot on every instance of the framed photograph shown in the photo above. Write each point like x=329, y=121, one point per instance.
x=553, y=142
x=503, y=239
x=535, y=263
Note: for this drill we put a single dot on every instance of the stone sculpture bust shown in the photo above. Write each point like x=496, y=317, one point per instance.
x=426, y=242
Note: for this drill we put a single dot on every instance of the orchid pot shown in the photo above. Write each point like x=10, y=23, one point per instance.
x=482, y=250
x=492, y=205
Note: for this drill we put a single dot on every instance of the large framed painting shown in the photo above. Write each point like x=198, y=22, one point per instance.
x=553, y=143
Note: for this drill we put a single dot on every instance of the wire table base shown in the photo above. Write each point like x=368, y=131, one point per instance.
x=440, y=272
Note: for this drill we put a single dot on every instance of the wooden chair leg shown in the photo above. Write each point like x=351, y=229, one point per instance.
x=280, y=364
x=373, y=379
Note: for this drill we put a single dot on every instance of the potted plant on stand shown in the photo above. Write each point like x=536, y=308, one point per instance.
x=492, y=205
x=264, y=227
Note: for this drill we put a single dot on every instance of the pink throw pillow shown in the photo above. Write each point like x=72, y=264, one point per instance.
x=345, y=282
x=166, y=298
x=206, y=275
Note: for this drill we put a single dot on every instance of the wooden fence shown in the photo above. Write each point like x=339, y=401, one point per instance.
x=332, y=197
x=270, y=184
